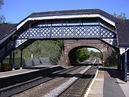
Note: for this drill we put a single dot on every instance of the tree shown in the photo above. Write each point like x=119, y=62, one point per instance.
x=95, y=54
x=82, y=54
x=120, y=16
x=2, y=18
x=1, y=3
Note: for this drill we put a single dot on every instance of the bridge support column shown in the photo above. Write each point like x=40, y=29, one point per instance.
x=13, y=64
x=21, y=57
x=10, y=60
x=119, y=62
x=125, y=66
x=1, y=62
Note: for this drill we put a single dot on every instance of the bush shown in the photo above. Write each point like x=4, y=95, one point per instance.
x=47, y=48
x=82, y=54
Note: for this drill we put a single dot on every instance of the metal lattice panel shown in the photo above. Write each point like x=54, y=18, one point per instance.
x=78, y=31
x=25, y=34
x=105, y=33
x=40, y=32
x=75, y=32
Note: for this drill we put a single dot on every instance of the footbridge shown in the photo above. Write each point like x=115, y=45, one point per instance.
x=78, y=28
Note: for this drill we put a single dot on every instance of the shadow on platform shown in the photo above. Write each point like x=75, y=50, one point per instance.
x=111, y=87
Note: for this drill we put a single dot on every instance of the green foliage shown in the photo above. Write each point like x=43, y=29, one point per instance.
x=95, y=54
x=55, y=54
x=82, y=54
x=5, y=65
x=44, y=48
x=56, y=51
x=2, y=19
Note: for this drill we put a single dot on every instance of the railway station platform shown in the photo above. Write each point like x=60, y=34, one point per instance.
x=16, y=72
x=25, y=71
x=107, y=83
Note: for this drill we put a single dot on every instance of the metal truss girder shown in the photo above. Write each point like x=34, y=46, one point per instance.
x=77, y=31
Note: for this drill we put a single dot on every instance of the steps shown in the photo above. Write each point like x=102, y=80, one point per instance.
x=128, y=72
x=128, y=76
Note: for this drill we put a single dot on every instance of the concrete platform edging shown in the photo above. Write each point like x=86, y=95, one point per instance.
x=91, y=84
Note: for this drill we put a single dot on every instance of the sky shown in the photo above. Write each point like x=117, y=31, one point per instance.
x=16, y=10
x=93, y=49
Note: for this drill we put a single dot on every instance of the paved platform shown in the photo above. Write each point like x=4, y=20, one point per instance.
x=24, y=71
x=16, y=72
x=124, y=86
x=108, y=84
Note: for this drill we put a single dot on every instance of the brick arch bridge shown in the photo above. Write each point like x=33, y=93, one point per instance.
x=107, y=50
x=70, y=26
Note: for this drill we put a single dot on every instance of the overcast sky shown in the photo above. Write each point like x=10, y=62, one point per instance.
x=16, y=10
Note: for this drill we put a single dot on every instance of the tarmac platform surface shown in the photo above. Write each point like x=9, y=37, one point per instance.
x=25, y=71
x=108, y=84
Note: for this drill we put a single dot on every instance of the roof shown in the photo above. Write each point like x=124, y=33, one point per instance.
x=73, y=12
x=123, y=33
x=5, y=29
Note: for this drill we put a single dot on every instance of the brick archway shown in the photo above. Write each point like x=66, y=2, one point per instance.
x=106, y=49
x=72, y=54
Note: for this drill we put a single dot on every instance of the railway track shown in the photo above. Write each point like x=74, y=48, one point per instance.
x=49, y=81
x=13, y=89
x=78, y=88
x=74, y=86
